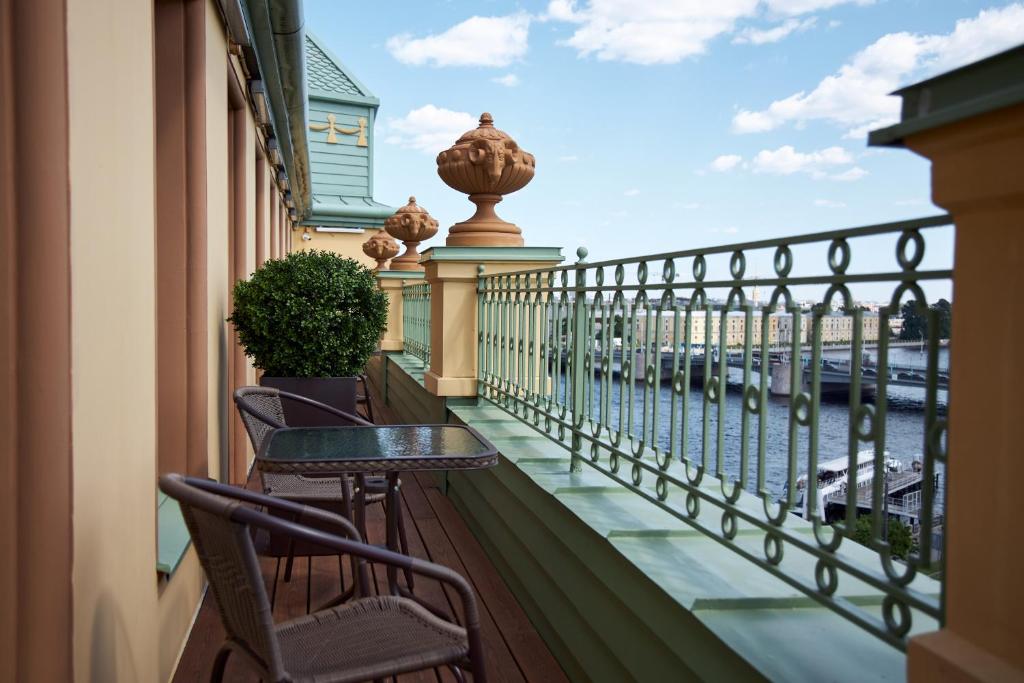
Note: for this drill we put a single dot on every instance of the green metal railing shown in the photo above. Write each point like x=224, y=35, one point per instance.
x=579, y=353
x=416, y=320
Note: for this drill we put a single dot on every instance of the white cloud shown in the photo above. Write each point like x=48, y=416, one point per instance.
x=648, y=32
x=429, y=129
x=508, y=80
x=856, y=96
x=569, y=157
x=756, y=36
x=786, y=160
x=726, y=162
x=631, y=192
x=804, y=6
x=849, y=175
x=477, y=41
x=829, y=204
x=820, y=164
x=560, y=10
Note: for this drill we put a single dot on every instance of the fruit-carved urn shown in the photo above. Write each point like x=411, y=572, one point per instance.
x=485, y=163
x=411, y=224
x=380, y=247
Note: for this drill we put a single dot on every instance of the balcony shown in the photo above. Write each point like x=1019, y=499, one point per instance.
x=654, y=467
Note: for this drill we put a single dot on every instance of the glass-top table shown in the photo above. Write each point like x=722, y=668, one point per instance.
x=358, y=451
x=380, y=448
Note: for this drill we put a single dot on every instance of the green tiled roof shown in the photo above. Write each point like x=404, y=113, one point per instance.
x=325, y=73
x=341, y=165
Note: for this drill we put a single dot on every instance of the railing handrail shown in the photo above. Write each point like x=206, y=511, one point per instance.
x=938, y=220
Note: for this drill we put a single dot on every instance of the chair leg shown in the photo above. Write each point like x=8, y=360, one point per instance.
x=217, y=675
x=273, y=589
x=289, y=562
x=309, y=580
x=403, y=543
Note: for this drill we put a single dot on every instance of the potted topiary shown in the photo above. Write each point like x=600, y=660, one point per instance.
x=310, y=321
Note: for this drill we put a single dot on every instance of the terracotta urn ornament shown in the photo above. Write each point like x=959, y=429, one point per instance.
x=380, y=247
x=411, y=224
x=485, y=163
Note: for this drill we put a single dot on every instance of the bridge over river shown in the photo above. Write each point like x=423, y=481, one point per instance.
x=835, y=373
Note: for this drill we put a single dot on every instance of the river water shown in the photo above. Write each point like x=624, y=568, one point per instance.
x=904, y=423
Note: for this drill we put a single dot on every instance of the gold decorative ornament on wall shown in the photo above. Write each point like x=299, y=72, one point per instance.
x=332, y=127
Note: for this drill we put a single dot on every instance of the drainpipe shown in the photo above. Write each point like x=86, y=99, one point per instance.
x=278, y=35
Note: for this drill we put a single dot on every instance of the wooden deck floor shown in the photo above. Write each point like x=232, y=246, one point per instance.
x=513, y=649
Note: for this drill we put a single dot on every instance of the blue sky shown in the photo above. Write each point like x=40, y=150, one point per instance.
x=663, y=124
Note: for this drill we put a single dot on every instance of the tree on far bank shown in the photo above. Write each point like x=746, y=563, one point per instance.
x=915, y=323
x=900, y=539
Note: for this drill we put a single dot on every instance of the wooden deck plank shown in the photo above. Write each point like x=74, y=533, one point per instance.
x=532, y=655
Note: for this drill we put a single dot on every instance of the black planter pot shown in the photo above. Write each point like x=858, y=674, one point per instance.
x=337, y=392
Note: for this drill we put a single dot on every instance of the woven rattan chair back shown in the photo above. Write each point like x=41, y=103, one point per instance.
x=226, y=552
x=261, y=411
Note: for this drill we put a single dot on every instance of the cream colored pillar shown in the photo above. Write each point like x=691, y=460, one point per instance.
x=975, y=141
x=392, y=281
x=452, y=273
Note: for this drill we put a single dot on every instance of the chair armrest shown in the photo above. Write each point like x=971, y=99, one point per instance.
x=299, y=510
x=371, y=553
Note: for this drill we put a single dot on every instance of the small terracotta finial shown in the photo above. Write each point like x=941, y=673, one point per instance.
x=380, y=247
x=486, y=120
x=411, y=224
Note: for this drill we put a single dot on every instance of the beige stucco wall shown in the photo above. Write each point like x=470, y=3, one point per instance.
x=113, y=339
x=129, y=626
x=217, y=238
x=348, y=244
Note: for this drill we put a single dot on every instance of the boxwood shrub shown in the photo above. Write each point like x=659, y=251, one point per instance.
x=310, y=314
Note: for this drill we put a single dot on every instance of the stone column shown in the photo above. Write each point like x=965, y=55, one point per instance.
x=392, y=281
x=452, y=273
x=975, y=142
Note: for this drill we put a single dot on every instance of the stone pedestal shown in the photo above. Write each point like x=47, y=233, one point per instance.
x=973, y=178
x=970, y=124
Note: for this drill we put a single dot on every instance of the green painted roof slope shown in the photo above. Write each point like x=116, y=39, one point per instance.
x=326, y=75
x=341, y=162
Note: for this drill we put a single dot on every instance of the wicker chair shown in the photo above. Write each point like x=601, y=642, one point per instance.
x=370, y=637
x=262, y=411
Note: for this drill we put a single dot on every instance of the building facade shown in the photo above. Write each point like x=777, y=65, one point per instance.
x=836, y=328
x=149, y=161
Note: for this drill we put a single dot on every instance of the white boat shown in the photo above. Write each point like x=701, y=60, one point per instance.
x=834, y=477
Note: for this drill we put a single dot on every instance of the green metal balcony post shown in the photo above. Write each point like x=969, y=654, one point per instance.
x=483, y=367
x=578, y=354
